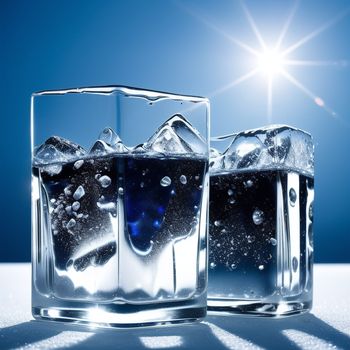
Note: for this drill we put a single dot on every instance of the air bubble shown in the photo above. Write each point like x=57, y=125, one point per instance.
x=292, y=196
x=230, y=192
x=311, y=211
x=217, y=223
x=121, y=190
x=165, y=181
x=212, y=265
x=261, y=267
x=250, y=239
x=183, y=179
x=273, y=241
x=105, y=181
x=71, y=223
x=295, y=264
x=248, y=183
x=258, y=217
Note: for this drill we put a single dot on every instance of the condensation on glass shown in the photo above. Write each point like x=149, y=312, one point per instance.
x=119, y=206
x=261, y=222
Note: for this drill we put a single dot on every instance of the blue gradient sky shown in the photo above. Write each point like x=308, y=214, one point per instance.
x=162, y=45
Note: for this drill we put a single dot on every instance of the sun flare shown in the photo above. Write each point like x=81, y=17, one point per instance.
x=273, y=61
x=270, y=62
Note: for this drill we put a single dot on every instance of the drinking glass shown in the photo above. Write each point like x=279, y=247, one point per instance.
x=261, y=218
x=119, y=206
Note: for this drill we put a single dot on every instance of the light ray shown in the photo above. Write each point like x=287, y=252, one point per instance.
x=316, y=63
x=236, y=82
x=316, y=32
x=253, y=25
x=211, y=25
x=287, y=24
x=269, y=100
x=316, y=99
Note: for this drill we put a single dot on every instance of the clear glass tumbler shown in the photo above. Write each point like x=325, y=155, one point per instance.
x=119, y=220
x=261, y=215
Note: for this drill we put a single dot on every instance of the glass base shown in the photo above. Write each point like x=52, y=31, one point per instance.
x=257, y=308
x=110, y=316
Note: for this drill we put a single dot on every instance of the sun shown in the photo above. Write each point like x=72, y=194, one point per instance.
x=270, y=62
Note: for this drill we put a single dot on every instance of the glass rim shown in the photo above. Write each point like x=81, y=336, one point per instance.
x=150, y=94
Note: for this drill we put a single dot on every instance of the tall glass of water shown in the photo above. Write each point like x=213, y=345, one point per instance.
x=119, y=206
x=261, y=217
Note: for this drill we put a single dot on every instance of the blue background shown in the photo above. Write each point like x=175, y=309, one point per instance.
x=164, y=45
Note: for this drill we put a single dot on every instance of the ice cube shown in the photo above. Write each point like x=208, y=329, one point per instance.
x=57, y=149
x=78, y=164
x=113, y=140
x=101, y=148
x=216, y=160
x=177, y=136
x=269, y=147
x=53, y=169
x=76, y=206
x=244, y=152
x=79, y=192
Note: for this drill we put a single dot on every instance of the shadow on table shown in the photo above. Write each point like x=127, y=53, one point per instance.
x=217, y=332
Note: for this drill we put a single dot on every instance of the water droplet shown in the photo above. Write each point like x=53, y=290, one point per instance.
x=165, y=181
x=295, y=264
x=105, y=181
x=212, y=265
x=273, y=241
x=217, y=223
x=218, y=245
x=121, y=190
x=233, y=266
x=230, y=192
x=258, y=216
x=196, y=177
x=183, y=179
x=261, y=267
x=248, y=183
x=311, y=211
x=292, y=196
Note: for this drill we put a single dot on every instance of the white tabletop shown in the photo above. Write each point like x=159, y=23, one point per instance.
x=328, y=326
